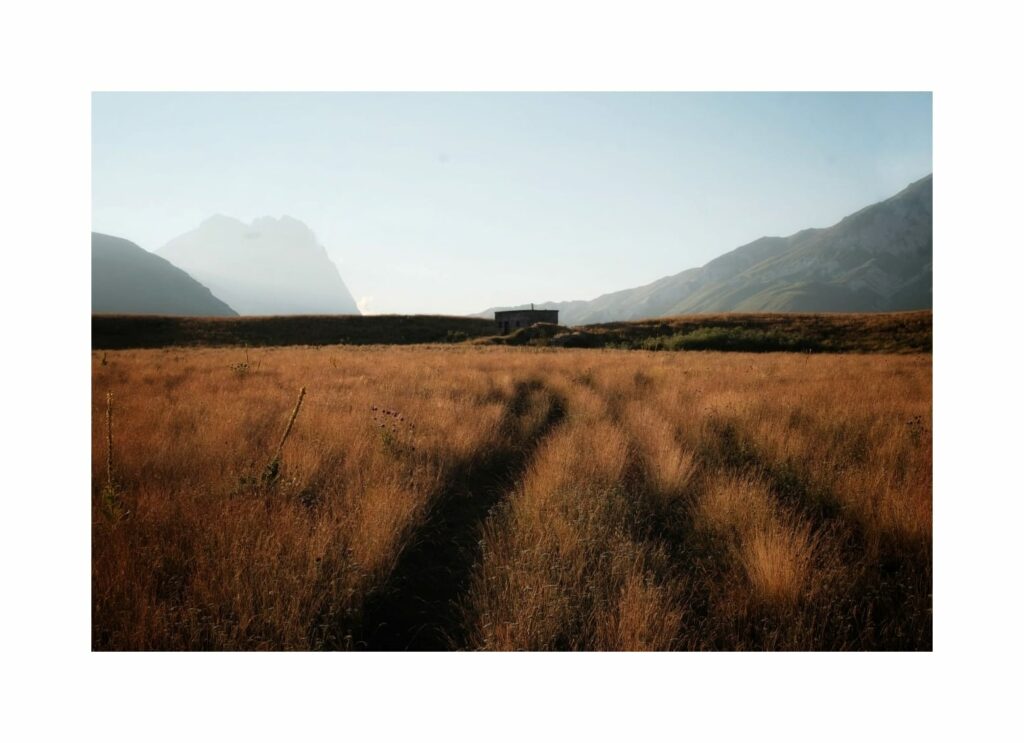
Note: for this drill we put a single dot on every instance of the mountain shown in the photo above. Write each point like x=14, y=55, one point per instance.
x=877, y=259
x=269, y=267
x=129, y=280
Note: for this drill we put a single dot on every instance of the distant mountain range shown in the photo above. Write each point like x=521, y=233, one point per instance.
x=129, y=280
x=877, y=259
x=269, y=267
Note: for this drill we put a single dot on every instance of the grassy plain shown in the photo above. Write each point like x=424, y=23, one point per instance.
x=481, y=497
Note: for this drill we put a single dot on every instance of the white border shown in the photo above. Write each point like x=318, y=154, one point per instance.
x=54, y=55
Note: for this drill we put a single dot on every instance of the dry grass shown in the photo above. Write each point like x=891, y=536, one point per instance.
x=774, y=549
x=504, y=498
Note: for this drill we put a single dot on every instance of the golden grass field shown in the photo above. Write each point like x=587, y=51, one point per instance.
x=461, y=497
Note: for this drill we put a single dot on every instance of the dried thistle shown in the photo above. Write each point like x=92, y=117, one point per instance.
x=111, y=502
x=274, y=466
x=110, y=441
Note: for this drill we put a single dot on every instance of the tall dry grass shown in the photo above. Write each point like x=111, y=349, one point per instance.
x=676, y=501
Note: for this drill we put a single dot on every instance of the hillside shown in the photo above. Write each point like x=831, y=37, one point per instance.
x=124, y=331
x=128, y=279
x=269, y=267
x=895, y=332
x=876, y=332
x=876, y=260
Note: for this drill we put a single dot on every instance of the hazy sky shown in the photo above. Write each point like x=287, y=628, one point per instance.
x=454, y=202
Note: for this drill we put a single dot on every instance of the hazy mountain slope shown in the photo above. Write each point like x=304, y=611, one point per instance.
x=129, y=280
x=878, y=259
x=269, y=267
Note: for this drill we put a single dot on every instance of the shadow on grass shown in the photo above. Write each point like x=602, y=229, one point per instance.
x=417, y=608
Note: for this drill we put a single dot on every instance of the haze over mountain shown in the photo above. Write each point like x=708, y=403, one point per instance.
x=269, y=267
x=129, y=280
x=877, y=259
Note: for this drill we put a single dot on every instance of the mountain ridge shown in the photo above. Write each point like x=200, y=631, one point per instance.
x=873, y=260
x=126, y=279
x=270, y=266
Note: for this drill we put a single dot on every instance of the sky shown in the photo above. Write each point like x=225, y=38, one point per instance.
x=456, y=202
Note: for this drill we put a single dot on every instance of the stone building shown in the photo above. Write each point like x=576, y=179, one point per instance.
x=510, y=320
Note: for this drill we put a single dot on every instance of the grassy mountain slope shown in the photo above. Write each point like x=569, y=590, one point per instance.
x=878, y=259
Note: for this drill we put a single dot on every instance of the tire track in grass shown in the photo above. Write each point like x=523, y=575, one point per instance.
x=417, y=608
x=884, y=591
